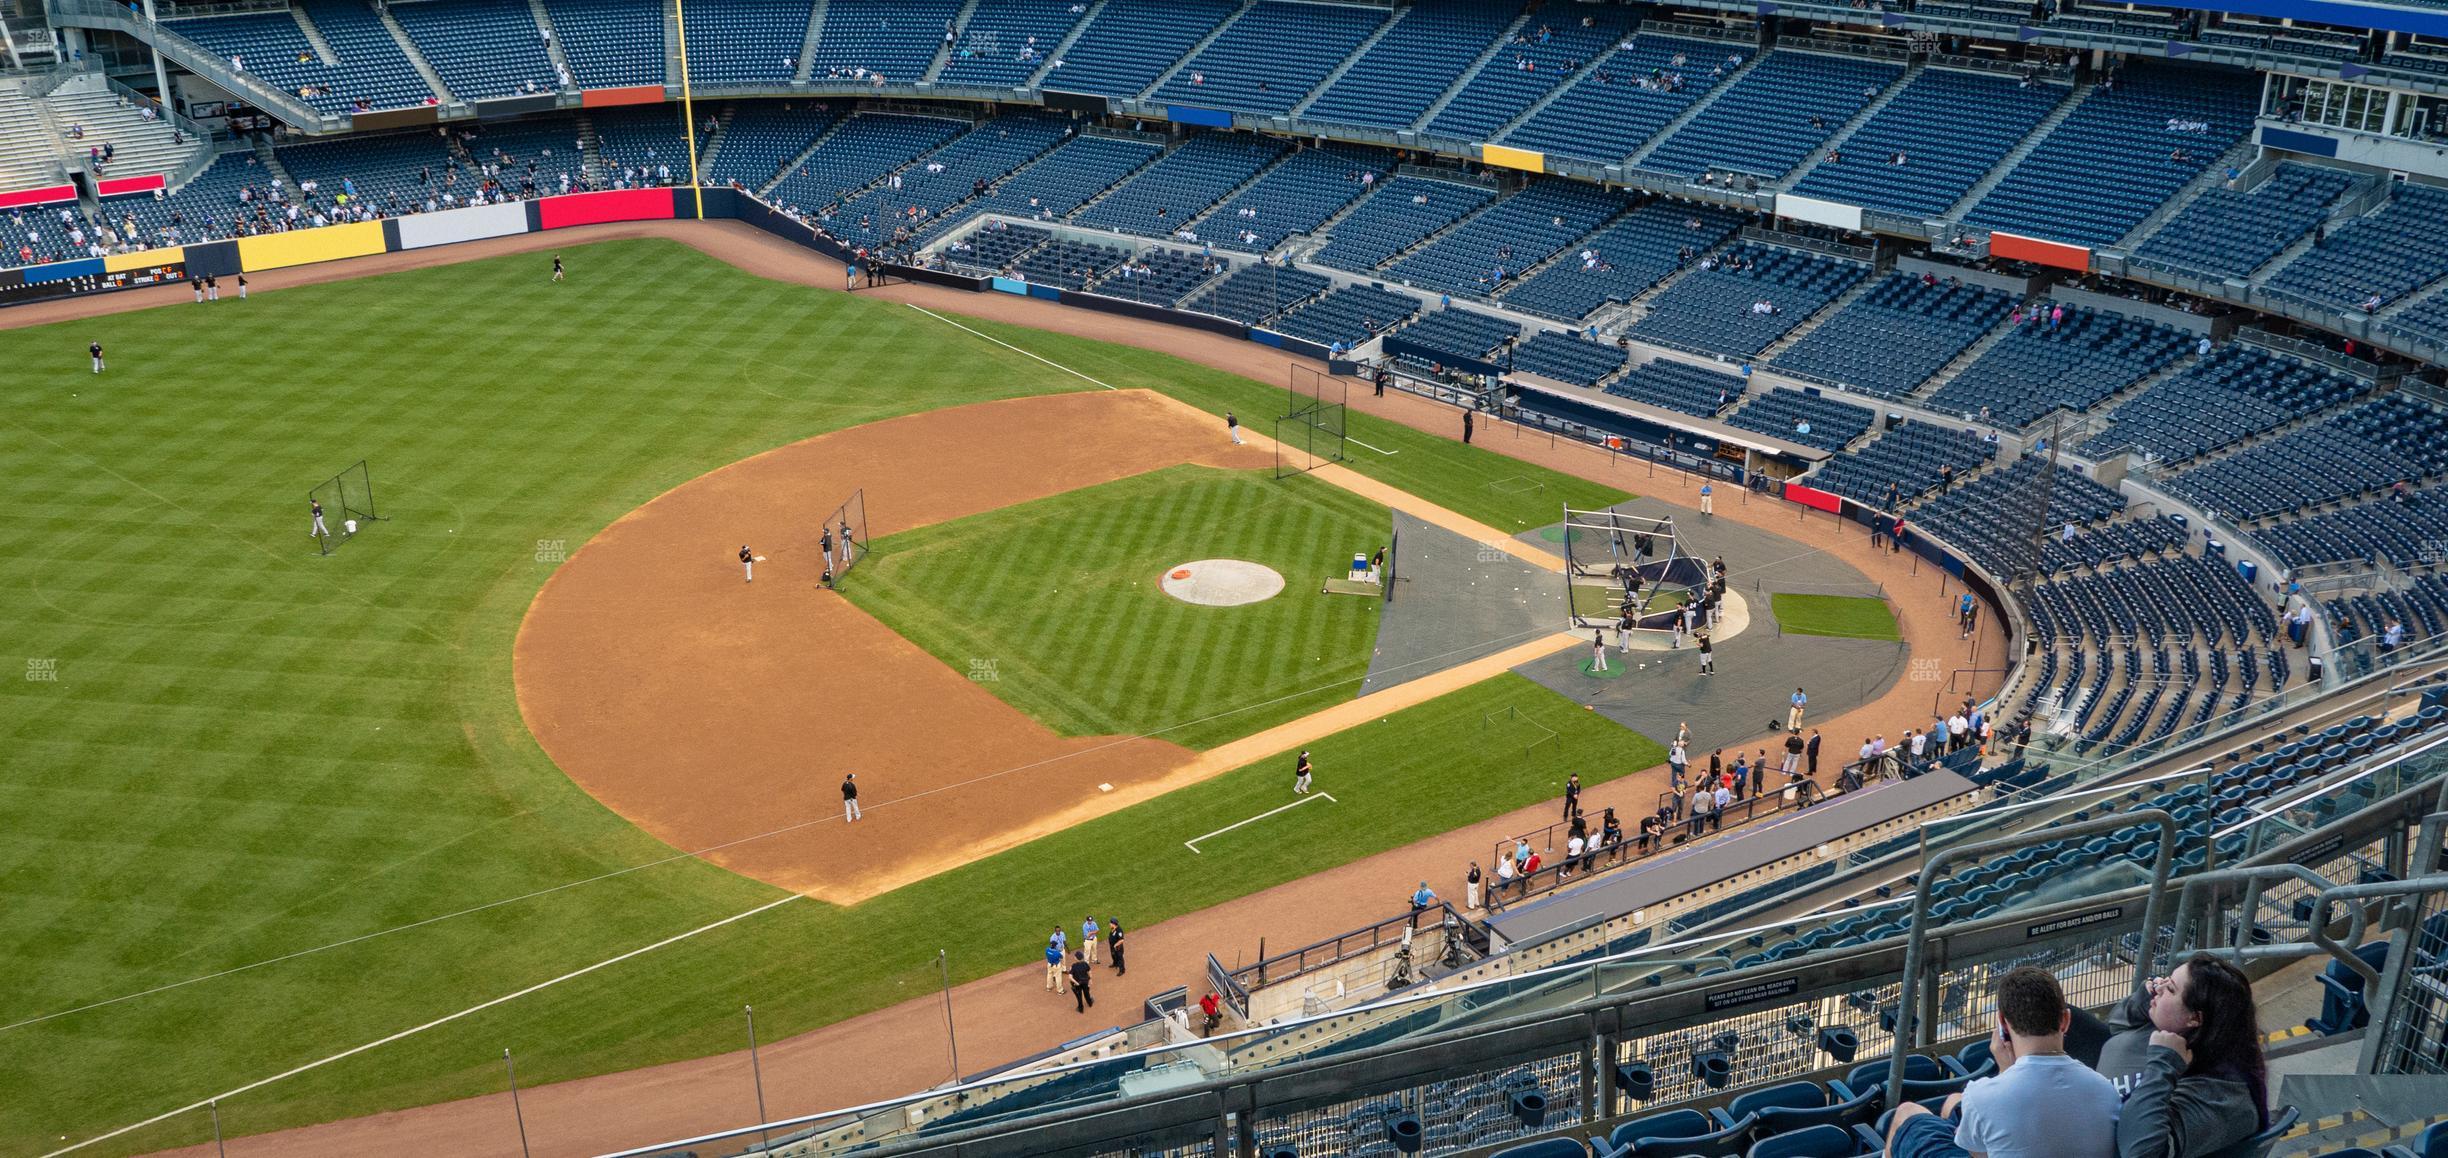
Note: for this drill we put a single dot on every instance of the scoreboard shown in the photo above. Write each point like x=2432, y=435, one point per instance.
x=77, y=278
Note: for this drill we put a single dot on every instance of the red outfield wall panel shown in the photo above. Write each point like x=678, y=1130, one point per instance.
x=610, y=205
x=117, y=186
x=644, y=94
x=1813, y=497
x=43, y=196
x=2015, y=247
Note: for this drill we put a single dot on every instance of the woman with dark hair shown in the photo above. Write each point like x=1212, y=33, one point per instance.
x=2188, y=1056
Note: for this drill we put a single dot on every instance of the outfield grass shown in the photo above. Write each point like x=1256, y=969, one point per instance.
x=245, y=750
x=1062, y=595
x=1844, y=616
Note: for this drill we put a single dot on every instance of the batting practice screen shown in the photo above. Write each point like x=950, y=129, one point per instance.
x=348, y=505
x=1310, y=432
x=841, y=537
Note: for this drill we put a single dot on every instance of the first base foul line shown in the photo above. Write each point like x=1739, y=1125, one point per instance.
x=1378, y=449
x=1192, y=844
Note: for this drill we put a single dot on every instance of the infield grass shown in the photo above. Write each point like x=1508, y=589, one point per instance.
x=1843, y=616
x=1060, y=598
x=246, y=787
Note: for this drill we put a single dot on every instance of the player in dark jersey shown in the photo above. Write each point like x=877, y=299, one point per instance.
x=96, y=351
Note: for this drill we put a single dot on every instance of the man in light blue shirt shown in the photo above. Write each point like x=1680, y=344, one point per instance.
x=1793, y=719
x=1088, y=939
x=1423, y=898
x=2040, y=1104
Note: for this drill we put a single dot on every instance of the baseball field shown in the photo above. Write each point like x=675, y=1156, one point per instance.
x=266, y=806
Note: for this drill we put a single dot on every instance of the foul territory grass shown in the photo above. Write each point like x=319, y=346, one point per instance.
x=1844, y=616
x=232, y=750
x=1061, y=597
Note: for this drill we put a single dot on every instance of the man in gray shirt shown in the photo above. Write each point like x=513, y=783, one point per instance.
x=2040, y=1104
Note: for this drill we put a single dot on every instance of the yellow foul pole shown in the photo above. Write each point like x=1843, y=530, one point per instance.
x=688, y=107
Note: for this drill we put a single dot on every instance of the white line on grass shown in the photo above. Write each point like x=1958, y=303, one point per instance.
x=1378, y=449
x=1192, y=845
x=406, y=1033
x=1008, y=345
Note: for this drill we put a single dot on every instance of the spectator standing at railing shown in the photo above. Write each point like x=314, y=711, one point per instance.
x=1717, y=810
x=1506, y=875
x=1703, y=802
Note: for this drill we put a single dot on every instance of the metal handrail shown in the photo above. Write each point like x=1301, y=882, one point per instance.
x=1908, y=995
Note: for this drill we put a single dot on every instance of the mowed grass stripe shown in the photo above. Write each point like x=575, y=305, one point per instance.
x=203, y=786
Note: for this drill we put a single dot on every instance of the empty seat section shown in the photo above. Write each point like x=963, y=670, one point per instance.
x=1766, y=122
x=1395, y=81
x=480, y=48
x=1294, y=197
x=860, y=152
x=1398, y=215
x=1548, y=50
x=897, y=39
x=2372, y=261
x=646, y=137
x=1060, y=181
x=1160, y=276
x=1165, y=197
x=1622, y=261
x=2371, y=446
x=1951, y=128
x=396, y=172
x=374, y=69
x=1483, y=254
x=610, y=43
x=2238, y=391
x=2074, y=364
x=1891, y=339
x=1005, y=42
x=1566, y=357
x=1809, y=418
x=1613, y=109
x=765, y=136
x=745, y=42
x=1349, y=316
x=1069, y=264
x=1132, y=43
x=2225, y=233
x=270, y=47
x=1748, y=299
x=1908, y=458
x=1680, y=387
x=2121, y=154
x=1271, y=56
x=1458, y=334
x=1254, y=293
x=933, y=184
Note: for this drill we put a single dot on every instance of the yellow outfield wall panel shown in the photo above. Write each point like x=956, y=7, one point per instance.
x=1522, y=159
x=307, y=246
x=144, y=258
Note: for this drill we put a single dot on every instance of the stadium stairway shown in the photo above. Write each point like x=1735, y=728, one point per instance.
x=314, y=36
x=1193, y=52
x=1461, y=82
x=713, y=140
x=1088, y=19
x=2006, y=165
x=802, y=158
x=1834, y=307
x=416, y=59
x=807, y=43
x=1955, y=368
x=2211, y=175
x=1751, y=58
x=943, y=52
x=1844, y=132
x=552, y=44
x=1336, y=73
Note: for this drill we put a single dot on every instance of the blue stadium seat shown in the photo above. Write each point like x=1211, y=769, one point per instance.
x=2121, y=154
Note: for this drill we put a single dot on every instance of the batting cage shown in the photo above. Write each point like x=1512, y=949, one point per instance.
x=841, y=537
x=1310, y=433
x=347, y=502
x=1615, y=560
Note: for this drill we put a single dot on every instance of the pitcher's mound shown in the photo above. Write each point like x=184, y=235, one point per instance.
x=1222, y=582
